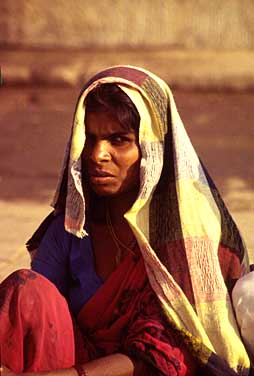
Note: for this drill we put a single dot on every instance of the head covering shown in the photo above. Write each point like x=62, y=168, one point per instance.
x=192, y=249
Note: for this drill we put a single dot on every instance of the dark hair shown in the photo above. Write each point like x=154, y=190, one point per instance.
x=110, y=98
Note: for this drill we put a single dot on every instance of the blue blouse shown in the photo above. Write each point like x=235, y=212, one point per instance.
x=68, y=262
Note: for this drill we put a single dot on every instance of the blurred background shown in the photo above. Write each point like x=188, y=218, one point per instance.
x=203, y=49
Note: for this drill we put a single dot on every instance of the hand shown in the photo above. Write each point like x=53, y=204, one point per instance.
x=4, y=371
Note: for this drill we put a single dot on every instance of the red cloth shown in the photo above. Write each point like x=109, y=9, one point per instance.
x=124, y=315
x=36, y=331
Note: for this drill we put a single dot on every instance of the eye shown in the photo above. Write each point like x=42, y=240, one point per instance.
x=120, y=139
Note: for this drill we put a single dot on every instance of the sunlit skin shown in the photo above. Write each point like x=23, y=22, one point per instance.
x=111, y=155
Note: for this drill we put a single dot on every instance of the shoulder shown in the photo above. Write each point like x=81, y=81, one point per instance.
x=58, y=243
x=58, y=223
x=56, y=227
x=56, y=237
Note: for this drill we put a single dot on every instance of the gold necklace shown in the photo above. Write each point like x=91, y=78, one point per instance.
x=119, y=244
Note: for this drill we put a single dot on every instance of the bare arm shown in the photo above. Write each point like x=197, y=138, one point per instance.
x=112, y=365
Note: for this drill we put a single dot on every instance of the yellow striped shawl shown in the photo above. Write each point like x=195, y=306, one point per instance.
x=177, y=206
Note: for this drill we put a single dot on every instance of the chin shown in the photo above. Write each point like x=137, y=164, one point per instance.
x=105, y=192
x=113, y=190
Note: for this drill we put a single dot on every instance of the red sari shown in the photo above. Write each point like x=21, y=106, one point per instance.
x=36, y=331
x=123, y=316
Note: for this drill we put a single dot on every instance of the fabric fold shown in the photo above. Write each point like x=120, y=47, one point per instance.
x=179, y=219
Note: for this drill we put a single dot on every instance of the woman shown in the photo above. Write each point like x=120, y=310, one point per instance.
x=140, y=245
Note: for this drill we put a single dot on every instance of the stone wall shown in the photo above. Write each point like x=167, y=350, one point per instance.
x=185, y=24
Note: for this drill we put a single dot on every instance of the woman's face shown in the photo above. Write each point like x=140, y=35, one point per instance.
x=111, y=155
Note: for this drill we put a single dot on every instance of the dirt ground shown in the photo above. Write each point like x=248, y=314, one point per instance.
x=35, y=124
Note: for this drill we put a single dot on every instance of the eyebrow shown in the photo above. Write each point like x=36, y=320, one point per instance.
x=118, y=133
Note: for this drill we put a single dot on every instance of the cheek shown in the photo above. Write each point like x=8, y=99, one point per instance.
x=131, y=163
x=137, y=157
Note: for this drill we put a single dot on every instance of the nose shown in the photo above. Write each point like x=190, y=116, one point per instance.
x=100, y=151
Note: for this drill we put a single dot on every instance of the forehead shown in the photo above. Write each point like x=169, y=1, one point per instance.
x=104, y=122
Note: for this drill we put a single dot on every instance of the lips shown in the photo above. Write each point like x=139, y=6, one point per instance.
x=100, y=178
x=100, y=174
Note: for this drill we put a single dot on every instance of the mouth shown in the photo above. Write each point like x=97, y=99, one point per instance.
x=100, y=174
x=100, y=177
